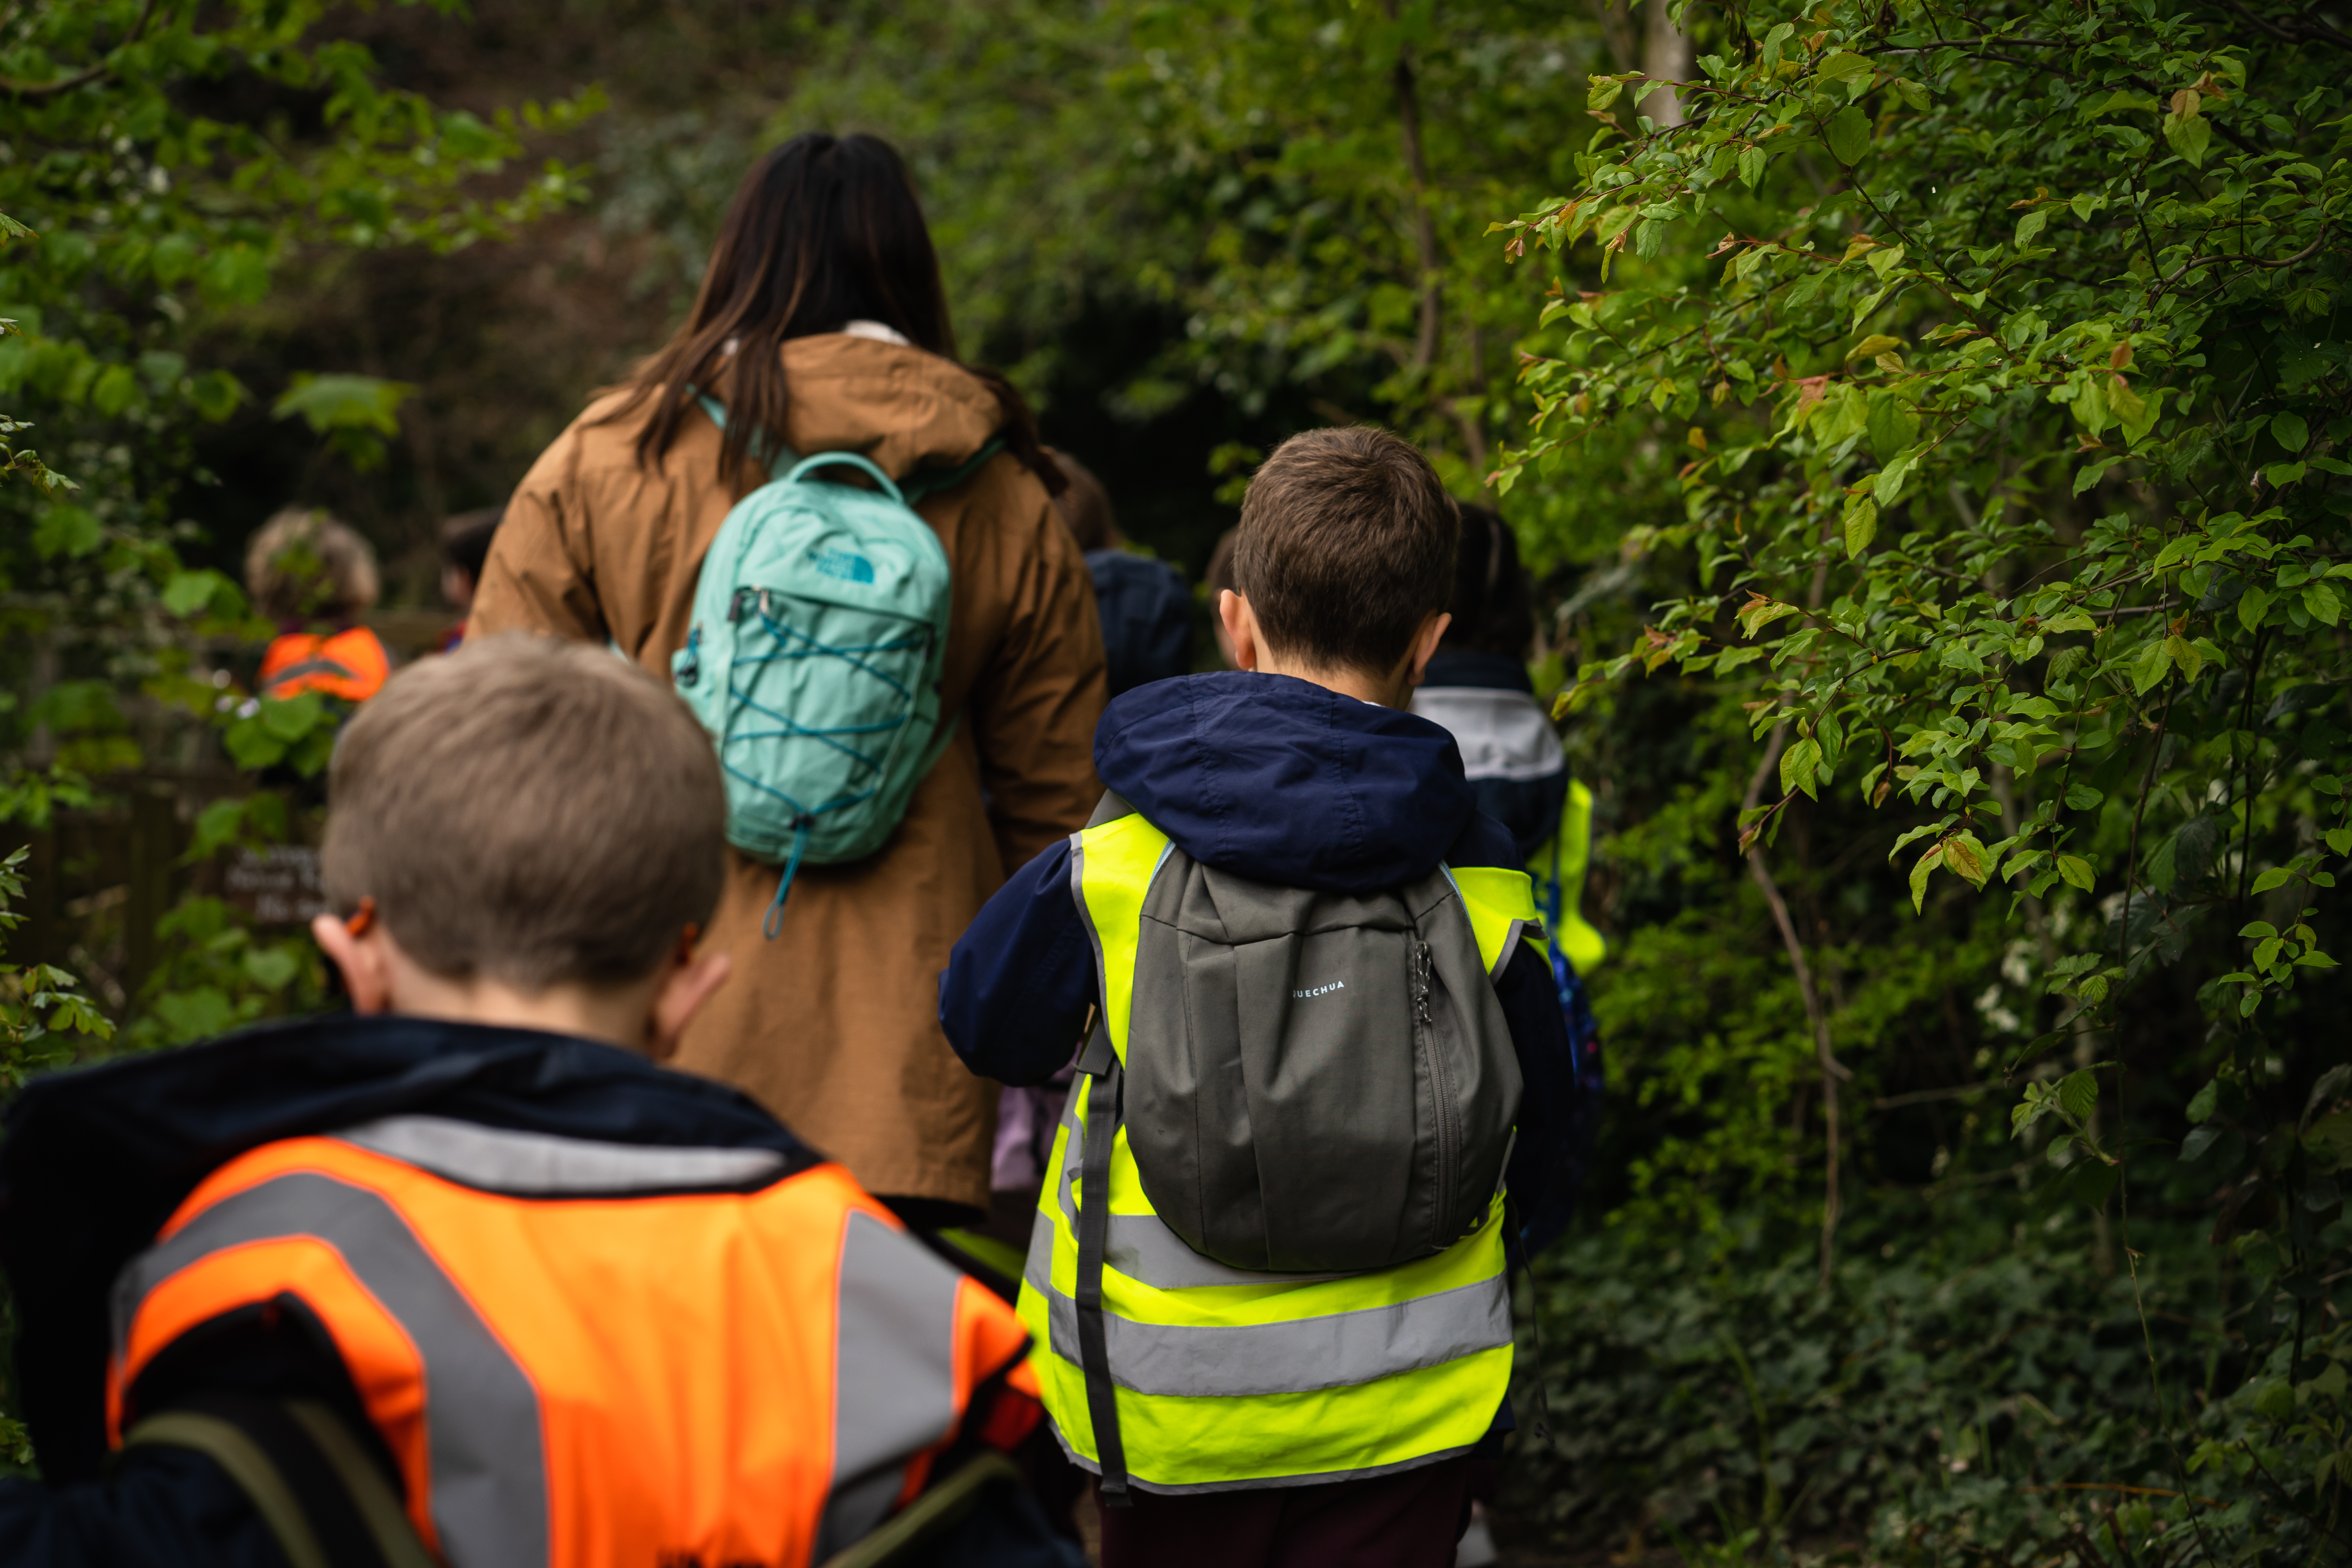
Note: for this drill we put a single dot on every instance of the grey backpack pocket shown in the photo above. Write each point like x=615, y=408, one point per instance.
x=1314, y=1081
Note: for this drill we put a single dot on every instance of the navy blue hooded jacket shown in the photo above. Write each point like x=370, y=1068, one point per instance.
x=1286, y=782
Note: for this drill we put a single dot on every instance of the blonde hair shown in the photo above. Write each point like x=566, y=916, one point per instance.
x=538, y=812
x=303, y=563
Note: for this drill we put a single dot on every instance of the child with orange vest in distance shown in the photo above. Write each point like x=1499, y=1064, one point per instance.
x=467, y=1278
x=313, y=576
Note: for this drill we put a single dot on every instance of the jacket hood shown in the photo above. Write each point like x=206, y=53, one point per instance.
x=1283, y=781
x=96, y=1160
x=903, y=407
x=1509, y=750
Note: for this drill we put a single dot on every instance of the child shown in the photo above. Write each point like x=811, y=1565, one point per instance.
x=469, y=1274
x=304, y=571
x=1476, y=686
x=1147, y=613
x=1265, y=829
x=465, y=546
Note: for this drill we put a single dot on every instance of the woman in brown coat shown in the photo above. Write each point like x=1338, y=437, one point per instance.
x=822, y=326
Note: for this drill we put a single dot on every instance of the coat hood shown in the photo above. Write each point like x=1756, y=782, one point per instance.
x=94, y=1161
x=1509, y=750
x=902, y=406
x=1283, y=781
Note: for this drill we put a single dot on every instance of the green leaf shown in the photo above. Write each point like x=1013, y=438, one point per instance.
x=2319, y=602
x=1798, y=764
x=2071, y=620
x=1919, y=875
x=332, y=403
x=1861, y=526
x=2076, y=870
x=2289, y=432
x=2276, y=876
x=1751, y=166
x=1604, y=91
x=271, y=968
x=1850, y=71
x=1889, y=481
x=2184, y=654
x=2031, y=224
x=2251, y=606
x=190, y=592
x=1848, y=135
x=69, y=531
x=2082, y=797
x=2189, y=137
x=2155, y=661
x=1964, y=854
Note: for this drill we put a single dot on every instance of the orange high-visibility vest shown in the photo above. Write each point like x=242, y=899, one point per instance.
x=350, y=664
x=582, y=1353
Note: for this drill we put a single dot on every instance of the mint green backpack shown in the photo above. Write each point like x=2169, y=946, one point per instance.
x=819, y=625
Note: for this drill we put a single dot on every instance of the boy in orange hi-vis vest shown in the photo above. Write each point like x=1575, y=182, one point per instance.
x=313, y=577
x=465, y=1277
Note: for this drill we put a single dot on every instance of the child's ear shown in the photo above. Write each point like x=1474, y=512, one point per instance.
x=1424, y=646
x=1241, y=630
x=685, y=984
x=366, y=965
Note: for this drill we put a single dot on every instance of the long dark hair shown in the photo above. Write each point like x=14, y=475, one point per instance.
x=824, y=230
x=1493, y=612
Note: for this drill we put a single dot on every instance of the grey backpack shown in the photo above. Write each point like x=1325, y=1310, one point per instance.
x=1313, y=1083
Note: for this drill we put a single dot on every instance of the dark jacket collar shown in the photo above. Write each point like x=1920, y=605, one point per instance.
x=95, y=1160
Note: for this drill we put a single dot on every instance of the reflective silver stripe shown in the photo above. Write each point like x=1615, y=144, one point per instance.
x=481, y=1413
x=894, y=1373
x=1511, y=945
x=1339, y=1350
x=1086, y=918
x=1142, y=1247
x=1260, y=1483
x=540, y=1164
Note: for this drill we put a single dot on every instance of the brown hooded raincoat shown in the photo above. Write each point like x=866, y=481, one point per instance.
x=833, y=1025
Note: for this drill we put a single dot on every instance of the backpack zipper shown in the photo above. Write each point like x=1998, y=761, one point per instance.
x=1441, y=1088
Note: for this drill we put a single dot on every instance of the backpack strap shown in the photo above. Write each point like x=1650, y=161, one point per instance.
x=764, y=452
x=920, y=485
x=324, y=1500
x=911, y=1535
x=1111, y=808
x=1100, y=1065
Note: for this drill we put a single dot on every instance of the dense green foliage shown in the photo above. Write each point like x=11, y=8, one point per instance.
x=1932, y=448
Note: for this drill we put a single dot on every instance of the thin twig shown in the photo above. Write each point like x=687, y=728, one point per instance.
x=67, y=84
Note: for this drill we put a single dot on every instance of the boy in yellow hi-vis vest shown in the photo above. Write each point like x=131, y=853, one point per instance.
x=1325, y=1069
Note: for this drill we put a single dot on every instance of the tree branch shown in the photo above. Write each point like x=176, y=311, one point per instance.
x=68, y=83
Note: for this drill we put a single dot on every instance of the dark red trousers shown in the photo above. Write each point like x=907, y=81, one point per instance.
x=1409, y=1519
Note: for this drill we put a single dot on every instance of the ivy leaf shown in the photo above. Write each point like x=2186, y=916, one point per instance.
x=1848, y=135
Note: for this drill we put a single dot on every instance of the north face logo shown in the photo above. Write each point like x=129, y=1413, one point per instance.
x=847, y=565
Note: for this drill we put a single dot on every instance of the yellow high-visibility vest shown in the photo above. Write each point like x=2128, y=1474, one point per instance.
x=1225, y=1378
x=1561, y=861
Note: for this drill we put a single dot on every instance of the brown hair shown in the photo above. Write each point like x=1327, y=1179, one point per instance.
x=1492, y=608
x=533, y=811
x=303, y=563
x=1346, y=545
x=825, y=230
x=1085, y=505
x=466, y=539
